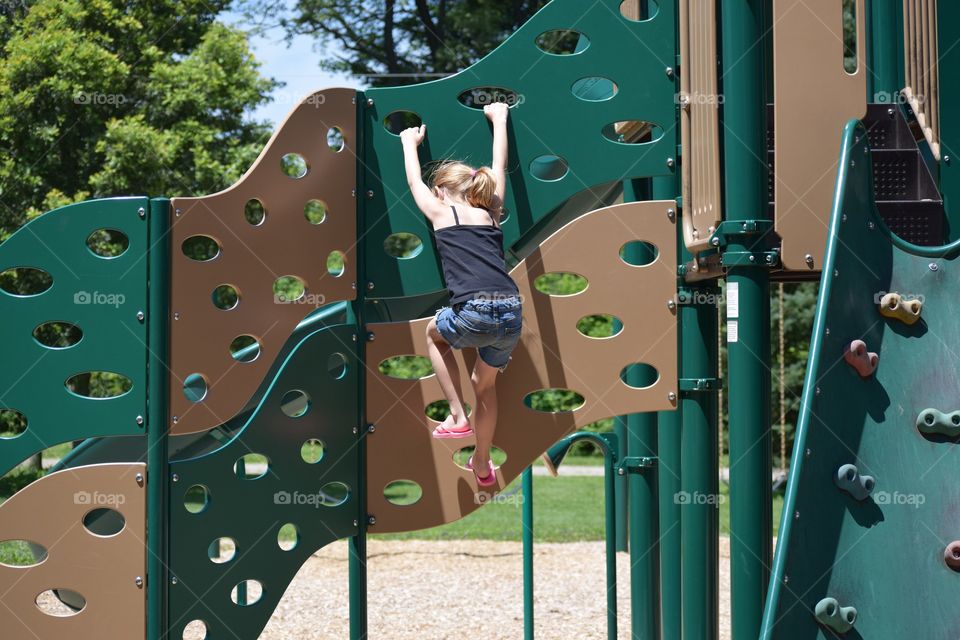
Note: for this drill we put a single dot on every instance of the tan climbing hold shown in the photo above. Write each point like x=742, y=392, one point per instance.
x=892, y=305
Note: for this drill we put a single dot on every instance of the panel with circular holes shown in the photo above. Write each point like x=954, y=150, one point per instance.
x=250, y=262
x=86, y=527
x=554, y=353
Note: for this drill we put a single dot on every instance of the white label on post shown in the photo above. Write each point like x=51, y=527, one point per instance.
x=732, y=331
x=733, y=300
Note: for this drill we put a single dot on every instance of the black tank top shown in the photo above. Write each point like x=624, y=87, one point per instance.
x=472, y=259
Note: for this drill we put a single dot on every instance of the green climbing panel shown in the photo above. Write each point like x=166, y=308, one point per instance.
x=872, y=539
x=274, y=514
x=100, y=296
x=599, y=68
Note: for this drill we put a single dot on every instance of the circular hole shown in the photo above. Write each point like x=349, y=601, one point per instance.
x=225, y=297
x=955, y=419
x=195, y=630
x=315, y=211
x=555, y=400
x=336, y=263
x=851, y=617
x=337, y=365
x=831, y=609
x=295, y=403
x=13, y=424
x=868, y=484
x=929, y=418
x=851, y=474
x=397, y=121
x=102, y=521
x=196, y=499
x=403, y=493
x=403, y=245
x=632, y=132
x=21, y=553
x=254, y=213
x=195, y=387
x=25, y=281
x=335, y=139
x=638, y=375
x=406, y=367
x=288, y=537
x=562, y=42
x=439, y=410
x=108, y=243
x=312, y=451
x=479, y=97
x=57, y=335
x=594, y=89
x=245, y=348
x=246, y=593
x=630, y=10
x=293, y=165
x=334, y=494
x=599, y=326
x=222, y=550
x=638, y=253
x=200, y=248
x=462, y=456
x=99, y=384
x=289, y=289
x=560, y=283
x=60, y=603
x=251, y=466
x=548, y=168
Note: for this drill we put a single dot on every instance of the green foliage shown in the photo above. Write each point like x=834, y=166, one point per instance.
x=104, y=98
x=406, y=367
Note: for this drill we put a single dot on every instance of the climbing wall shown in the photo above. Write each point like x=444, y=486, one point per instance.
x=84, y=314
x=552, y=354
x=577, y=75
x=867, y=542
x=241, y=526
x=83, y=562
x=252, y=261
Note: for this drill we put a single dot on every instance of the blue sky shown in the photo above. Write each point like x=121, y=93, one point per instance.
x=297, y=66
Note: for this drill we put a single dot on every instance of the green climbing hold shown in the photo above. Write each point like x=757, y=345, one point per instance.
x=830, y=614
x=848, y=478
x=934, y=421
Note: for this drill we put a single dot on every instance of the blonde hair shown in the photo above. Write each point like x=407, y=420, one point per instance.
x=477, y=186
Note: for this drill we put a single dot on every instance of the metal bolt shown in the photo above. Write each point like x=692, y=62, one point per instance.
x=371, y=336
x=670, y=162
x=808, y=259
x=671, y=305
x=371, y=428
x=890, y=111
x=853, y=163
x=621, y=472
x=353, y=285
x=176, y=315
x=808, y=452
x=672, y=397
x=796, y=515
x=141, y=315
x=946, y=159
x=353, y=337
x=933, y=266
x=369, y=102
x=871, y=226
x=138, y=581
x=671, y=215
x=370, y=194
x=173, y=580
x=752, y=258
x=371, y=520
x=356, y=522
x=769, y=259
x=353, y=193
x=142, y=213
x=669, y=72
x=786, y=579
x=139, y=478
x=176, y=477
x=818, y=391
x=827, y=331
x=715, y=242
x=836, y=272
x=176, y=419
x=843, y=218
x=355, y=431
x=178, y=212
x=140, y=420
x=370, y=286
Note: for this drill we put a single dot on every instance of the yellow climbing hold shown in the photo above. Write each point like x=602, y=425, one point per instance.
x=892, y=305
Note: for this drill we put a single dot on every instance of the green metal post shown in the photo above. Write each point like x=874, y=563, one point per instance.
x=158, y=415
x=744, y=24
x=527, y=483
x=883, y=37
x=357, y=559
x=609, y=480
x=622, y=484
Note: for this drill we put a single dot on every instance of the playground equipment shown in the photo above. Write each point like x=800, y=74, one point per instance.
x=259, y=320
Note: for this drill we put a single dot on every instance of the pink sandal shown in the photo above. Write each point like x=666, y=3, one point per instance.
x=442, y=432
x=488, y=480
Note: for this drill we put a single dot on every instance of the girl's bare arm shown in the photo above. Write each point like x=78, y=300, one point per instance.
x=426, y=201
x=497, y=113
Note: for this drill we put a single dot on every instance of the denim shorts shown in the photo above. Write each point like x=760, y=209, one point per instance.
x=491, y=326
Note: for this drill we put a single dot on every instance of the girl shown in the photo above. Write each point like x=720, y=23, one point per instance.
x=463, y=205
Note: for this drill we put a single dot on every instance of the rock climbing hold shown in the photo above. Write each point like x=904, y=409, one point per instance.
x=934, y=421
x=892, y=305
x=830, y=614
x=951, y=555
x=848, y=478
x=857, y=356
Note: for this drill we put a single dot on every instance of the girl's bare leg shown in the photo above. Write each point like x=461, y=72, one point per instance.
x=484, y=379
x=448, y=375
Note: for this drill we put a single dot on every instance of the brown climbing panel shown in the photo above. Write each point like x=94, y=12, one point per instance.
x=699, y=124
x=814, y=97
x=253, y=256
x=103, y=569
x=922, y=67
x=552, y=353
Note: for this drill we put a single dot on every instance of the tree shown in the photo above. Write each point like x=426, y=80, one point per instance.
x=388, y=41
x=103, y=97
